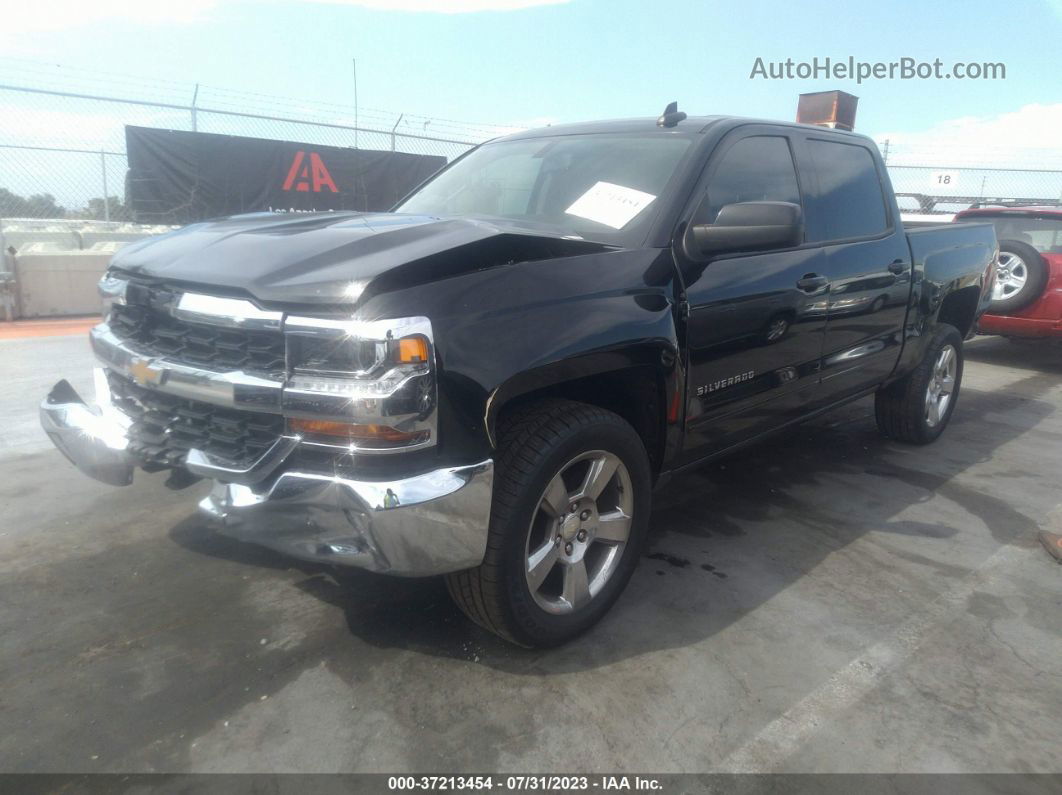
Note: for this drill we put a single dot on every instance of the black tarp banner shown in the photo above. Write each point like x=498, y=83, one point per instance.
x=177, y=177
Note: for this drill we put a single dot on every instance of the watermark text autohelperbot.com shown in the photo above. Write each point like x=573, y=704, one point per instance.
x=901, y=69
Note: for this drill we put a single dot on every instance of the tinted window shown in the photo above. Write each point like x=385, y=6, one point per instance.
x=850, y=201
x=1043, y=234
x=754, y=169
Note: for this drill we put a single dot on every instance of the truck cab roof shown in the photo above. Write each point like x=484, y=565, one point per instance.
x=691, y=125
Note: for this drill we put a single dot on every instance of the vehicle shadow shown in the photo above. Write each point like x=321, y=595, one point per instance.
x=725, y=539
x=1042, y=355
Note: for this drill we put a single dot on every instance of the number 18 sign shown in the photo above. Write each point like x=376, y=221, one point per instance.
x=943, y=179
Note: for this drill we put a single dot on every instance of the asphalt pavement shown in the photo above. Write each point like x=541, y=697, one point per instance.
x=827, y=601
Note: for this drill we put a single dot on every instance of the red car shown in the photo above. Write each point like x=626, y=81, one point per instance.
x=1027, y=297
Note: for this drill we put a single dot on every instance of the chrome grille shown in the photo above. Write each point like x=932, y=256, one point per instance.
x=165, y=427
x=146, y=322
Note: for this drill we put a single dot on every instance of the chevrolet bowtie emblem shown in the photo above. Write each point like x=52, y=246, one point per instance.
x=144, y=374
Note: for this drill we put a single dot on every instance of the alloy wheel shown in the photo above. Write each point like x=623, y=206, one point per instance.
x=579, y=531
x=941, y=385
x=1011, y=275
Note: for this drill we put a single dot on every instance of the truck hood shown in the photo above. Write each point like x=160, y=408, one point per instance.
x=336, y=258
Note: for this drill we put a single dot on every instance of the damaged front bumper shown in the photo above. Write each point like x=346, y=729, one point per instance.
x=93, y=438
x=429, y=523
x=433, y=523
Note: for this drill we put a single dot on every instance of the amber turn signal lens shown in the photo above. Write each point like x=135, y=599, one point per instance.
x=413, y=350
x=354, y=433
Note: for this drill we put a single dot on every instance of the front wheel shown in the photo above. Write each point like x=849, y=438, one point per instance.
x=569, y=518
x=917, y=408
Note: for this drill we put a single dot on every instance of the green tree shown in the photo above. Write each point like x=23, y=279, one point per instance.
x=39, y=205
x=43, y=205
x=94, y=209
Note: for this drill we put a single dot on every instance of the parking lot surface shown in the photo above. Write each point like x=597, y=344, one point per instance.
x=827, y=601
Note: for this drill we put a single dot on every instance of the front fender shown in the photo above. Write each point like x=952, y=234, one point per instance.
x=508, y=331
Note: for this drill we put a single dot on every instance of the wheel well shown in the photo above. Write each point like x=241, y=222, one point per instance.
x=958, y=309
x=635, y=394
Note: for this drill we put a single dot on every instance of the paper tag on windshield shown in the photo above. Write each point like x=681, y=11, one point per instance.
x=611, y=205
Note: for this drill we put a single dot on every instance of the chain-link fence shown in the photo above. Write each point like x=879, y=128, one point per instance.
x=941, y=180
x=62, y=143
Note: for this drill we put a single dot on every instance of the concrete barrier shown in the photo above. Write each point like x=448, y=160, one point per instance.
x=50, y=267
x=56, y=284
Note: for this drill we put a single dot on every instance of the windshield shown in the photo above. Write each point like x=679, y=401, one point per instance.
x=1043, y=234
x=601, y=187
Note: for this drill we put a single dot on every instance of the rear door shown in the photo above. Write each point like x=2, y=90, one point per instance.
x=867, y=261
x=752, y=338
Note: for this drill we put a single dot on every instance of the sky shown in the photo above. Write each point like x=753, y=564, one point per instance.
x=523, y=63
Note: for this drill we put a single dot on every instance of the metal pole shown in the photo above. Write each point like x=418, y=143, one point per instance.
x=7, y=281
x=400, y=115
x=106, y=198
x=885, y=154
x=195, y=94
x=354, y=61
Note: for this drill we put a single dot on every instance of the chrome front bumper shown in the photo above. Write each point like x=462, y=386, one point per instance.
x=426, y=524
x=92, y=438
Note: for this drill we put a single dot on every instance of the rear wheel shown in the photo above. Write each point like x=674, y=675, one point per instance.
x=1021, y=275
x=569, y=518
x=917, y=408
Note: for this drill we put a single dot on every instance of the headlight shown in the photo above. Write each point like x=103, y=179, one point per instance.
x=366, y=385
x=112, y=291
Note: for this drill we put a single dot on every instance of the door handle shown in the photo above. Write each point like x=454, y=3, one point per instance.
x=812, y=281
x=897, y=266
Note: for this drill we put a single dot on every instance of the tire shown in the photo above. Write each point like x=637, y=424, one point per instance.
x=878, y=305
x=903, y=409
x=1021, y=276
x=537, y=444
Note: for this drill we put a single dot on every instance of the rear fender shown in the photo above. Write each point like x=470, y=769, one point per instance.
x=951, y=286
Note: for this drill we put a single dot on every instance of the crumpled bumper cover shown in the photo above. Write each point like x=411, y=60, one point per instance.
x=433, y=523
x=93, y=438
x=429, y=523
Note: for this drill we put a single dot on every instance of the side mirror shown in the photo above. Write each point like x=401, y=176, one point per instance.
x=748, y=226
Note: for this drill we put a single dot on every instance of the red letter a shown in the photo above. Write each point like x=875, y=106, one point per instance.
x=321, y=177
x=293, y=172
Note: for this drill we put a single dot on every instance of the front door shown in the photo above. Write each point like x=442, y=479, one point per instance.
x=754, y=334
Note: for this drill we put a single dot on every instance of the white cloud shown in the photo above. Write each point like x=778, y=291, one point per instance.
x=80, y=129
x=43, y=16
x=445, y=6
x=22, y=18
x=1025, y=138
x=61, y=128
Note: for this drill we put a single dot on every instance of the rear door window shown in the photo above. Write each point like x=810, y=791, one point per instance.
x=850, y=202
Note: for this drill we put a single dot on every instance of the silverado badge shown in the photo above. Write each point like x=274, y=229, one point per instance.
x=723, y=383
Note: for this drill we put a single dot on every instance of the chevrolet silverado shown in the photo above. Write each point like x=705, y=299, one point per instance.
x=487, y=382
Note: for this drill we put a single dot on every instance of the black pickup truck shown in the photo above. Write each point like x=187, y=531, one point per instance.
x=487, y=382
